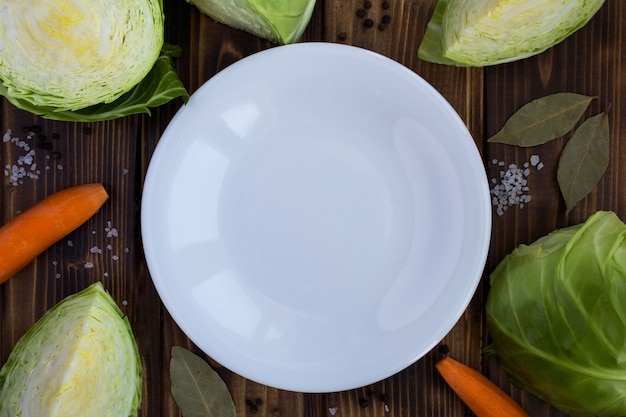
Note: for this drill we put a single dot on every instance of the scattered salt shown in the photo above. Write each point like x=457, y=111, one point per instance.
x=115, y=257
x=511, y=188
x=332, y=411
x=88, y=265
x=95, y=249
x=70, y=243
x=124, y=302
x=57, y=276
x=25, y=166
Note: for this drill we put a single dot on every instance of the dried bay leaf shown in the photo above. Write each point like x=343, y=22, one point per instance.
x=197, y=389
x=584, y=160
x=543, y=120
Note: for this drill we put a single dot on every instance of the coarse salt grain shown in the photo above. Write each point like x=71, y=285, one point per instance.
x=332, y=411
x=534, y=160
x=88, y=265
x=111, y=231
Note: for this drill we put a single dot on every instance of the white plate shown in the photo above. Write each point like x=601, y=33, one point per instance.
x=316, y=218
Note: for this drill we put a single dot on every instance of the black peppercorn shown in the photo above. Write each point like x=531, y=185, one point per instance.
x=364, y=402
x=361, y=12
x=342, y=36
x=385, y=5
x=56, y=136
x=368, y=23
x=368, y=4
x=386, y=18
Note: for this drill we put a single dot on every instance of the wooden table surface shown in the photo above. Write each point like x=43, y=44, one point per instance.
x=117, y=154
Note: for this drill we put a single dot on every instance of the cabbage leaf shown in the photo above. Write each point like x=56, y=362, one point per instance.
x=488, y=32
x=79, y=359
x=556, y=312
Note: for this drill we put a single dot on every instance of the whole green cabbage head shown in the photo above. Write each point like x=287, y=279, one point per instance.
x=85, y=60
x=280, y=21
x=556, y=312
x=488, y=32
x=79, y=359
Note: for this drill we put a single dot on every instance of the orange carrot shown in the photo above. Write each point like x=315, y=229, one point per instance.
x=33, y=231
x=481, y=395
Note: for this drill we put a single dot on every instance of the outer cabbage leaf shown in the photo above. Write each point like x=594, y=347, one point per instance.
x=556, y=312
x=280, y=21
x=159, y=87
x=489, y=32
x=67, y=55
x=79, y=359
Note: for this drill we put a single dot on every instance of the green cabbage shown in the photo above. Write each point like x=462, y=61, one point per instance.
x=488, y=32
x=280, y=21
x=80, y=359
x=556, y=312
x=66, y=59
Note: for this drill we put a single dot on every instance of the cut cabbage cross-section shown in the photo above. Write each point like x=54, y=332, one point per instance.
x=72, y=54
x=85, y=60
x=79, y=359
x=488, y=32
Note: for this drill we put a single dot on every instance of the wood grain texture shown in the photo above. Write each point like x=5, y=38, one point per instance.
x=117, y=154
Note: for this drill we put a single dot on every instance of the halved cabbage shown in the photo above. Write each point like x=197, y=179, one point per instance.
x=280, y=21
x=61, y=56
x=79, y=359
x=489, y=32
